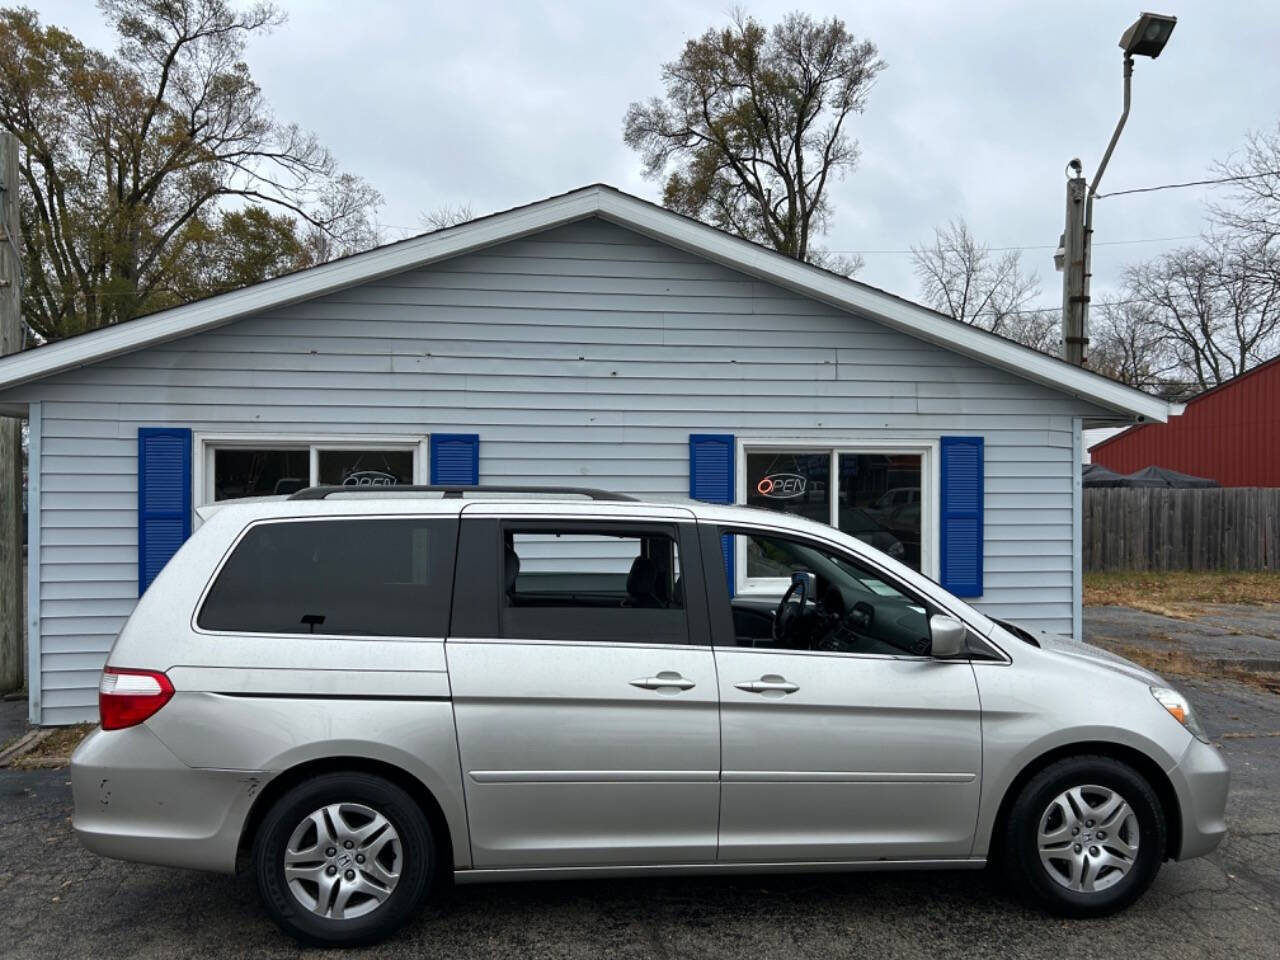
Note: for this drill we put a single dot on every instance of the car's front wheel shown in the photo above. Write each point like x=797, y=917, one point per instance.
x=344, y=859
x=1085, y=836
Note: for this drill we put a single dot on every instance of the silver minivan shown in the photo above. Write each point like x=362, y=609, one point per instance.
x=359, y=695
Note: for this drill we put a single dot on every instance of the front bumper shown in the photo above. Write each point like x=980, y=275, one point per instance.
x=1201, y=779
x=134, y=800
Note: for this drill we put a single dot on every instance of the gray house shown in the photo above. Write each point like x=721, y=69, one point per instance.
x=591, y=339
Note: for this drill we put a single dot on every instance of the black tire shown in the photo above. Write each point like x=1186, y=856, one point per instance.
x=417, y=865
x=1020, y=852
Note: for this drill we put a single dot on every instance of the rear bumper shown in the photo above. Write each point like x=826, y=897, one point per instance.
x=1201, y=780
x=134, y=800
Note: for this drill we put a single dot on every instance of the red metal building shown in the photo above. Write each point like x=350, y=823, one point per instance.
x=1230, y=433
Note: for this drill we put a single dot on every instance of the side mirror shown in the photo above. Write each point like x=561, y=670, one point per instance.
x=806, y=585
x=948, y=636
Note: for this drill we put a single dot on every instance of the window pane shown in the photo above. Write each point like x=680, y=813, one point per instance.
x=259, y=473
x=880, y=502
x=366, y=468
x=856, y=609
x=350, y=577
x=788, y=482
x=610, y=585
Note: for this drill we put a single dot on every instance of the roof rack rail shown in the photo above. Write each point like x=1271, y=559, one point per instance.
x=458, y=491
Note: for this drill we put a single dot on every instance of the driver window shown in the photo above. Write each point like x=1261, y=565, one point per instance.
x=852, y=610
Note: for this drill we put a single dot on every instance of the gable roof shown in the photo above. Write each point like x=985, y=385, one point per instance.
x=615, y=206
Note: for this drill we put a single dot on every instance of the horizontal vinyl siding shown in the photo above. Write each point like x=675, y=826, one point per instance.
x=584, y=355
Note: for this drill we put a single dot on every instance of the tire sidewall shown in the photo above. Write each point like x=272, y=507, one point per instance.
x=417, y=846
x=1022, y=847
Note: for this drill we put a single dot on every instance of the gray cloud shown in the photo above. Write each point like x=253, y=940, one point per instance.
x=976, y=116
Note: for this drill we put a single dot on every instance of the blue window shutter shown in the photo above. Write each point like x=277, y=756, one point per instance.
x=961, y=515
x=164, y=498
x=455, y=458
x=711, y=457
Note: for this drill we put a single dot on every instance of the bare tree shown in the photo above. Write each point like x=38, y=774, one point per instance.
x=1126, y=344
x=1253, y=208
x=964, y=279
x=127, y=158
x=755, y=124
x=1217, y=304
x=446, y=215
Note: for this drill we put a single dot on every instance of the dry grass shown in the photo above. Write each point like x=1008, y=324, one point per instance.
x=54, y=750
x=1180, y=663
x=1181, y=595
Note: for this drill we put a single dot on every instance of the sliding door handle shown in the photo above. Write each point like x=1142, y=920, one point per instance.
x=770, y=683
x=666, y=680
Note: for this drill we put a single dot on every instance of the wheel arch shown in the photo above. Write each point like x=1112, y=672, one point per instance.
x=287, y=779
x=1141, y=762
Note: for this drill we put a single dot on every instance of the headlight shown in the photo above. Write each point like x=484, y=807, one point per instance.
x=1180, y=709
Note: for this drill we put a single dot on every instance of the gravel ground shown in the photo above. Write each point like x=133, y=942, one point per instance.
x=56, y=900
x=1241, y=635
x=13, y=720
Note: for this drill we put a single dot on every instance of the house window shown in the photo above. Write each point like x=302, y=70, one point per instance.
x=365, y=468
x=258, y=472
x=882, y=496
x=234, y=467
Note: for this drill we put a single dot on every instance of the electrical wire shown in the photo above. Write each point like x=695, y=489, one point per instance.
x=1042, y=246
x=1190, y=183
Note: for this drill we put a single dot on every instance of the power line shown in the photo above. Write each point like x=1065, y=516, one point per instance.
x=1058, y=309
x=1191, y=183
x=1042, y=246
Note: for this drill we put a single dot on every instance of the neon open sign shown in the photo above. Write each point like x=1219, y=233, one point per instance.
x=369, y=478
x=782, y=486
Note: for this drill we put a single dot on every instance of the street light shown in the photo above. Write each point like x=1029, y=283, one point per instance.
x=1145, y=38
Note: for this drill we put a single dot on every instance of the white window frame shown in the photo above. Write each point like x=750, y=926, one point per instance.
x=930, y=484
x=202, y=479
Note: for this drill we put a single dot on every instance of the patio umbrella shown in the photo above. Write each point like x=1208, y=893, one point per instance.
x=1096, y=475
x=1163, y=477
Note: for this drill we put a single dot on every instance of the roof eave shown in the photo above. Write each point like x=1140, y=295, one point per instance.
x=899, y=314
x=627, y=211
x=192, y=318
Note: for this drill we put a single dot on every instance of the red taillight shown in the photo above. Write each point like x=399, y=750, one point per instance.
x=127, y=697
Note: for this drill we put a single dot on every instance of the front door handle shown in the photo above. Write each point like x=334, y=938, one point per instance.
x=666, y=680
x=770, y=685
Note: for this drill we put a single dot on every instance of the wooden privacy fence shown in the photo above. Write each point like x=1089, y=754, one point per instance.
x=1164, y=529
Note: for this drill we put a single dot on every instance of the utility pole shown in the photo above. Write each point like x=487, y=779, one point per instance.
x=1145, y=38
x=1075, y=266
x=12, y=646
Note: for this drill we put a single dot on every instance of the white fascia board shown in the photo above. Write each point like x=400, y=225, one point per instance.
x=893, y=312
x=317, y=281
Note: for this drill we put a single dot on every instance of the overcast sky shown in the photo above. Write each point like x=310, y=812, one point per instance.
x=981, y=106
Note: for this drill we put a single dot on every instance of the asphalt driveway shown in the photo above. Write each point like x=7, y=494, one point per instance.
x=58, y=901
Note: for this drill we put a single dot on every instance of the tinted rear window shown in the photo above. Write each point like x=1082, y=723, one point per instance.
x=378, y=578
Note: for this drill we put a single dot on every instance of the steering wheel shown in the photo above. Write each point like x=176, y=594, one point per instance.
x=787, y=612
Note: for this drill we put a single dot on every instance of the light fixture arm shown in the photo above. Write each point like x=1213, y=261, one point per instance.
x=1124, y=115
x=1088, y=213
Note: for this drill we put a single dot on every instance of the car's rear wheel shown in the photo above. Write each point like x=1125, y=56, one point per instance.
x=1085, y=837
x=344, y=859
